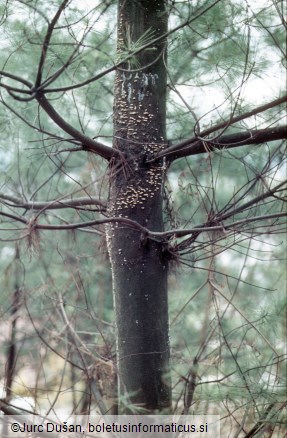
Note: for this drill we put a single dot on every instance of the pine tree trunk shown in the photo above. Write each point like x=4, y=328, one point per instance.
x=139, y=266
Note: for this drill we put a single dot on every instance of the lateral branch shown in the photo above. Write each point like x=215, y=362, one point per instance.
x=229, y=141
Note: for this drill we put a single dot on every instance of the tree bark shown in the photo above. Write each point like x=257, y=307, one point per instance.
x=140, y=266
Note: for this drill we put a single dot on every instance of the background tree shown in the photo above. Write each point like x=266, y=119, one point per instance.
x=178, y=189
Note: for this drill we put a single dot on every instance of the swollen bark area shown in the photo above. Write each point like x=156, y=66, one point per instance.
x=139, y=266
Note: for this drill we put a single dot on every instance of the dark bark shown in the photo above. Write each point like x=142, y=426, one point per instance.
x=194, y=145
x=12, y=343
x=139, y=266
x=11, y=350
